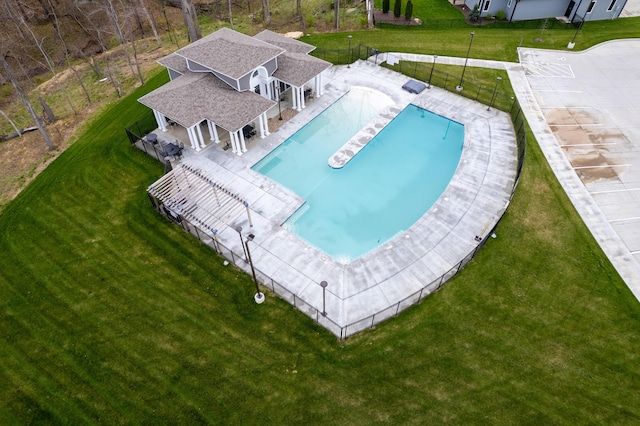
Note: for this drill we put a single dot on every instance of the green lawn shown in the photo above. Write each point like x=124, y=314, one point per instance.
x=111, y=314
x=489, y=43
x=427, y=9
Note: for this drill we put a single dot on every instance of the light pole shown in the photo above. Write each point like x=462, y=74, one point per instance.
x=244, y=250
x=349, y=60
x=259, y=296
x=495, y=89
x=572, y=43
x=323, y=284
x=459, y=88
x=433, y=65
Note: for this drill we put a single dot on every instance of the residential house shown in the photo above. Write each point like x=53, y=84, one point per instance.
x=569, y=10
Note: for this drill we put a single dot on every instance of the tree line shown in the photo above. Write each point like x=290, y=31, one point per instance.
x=48, y=37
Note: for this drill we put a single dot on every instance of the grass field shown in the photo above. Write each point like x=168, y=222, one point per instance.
x=489, y=43
x=111, y=314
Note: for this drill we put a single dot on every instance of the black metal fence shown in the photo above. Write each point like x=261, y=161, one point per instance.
x=137, y=133
x=477, y=92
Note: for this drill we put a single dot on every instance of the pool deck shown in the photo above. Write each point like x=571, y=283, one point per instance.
x=470, y=206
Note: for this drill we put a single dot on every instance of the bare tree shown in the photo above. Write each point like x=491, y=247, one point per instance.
x=23, y=97
x=53, y=17
x=39, y=42
x=267, y=12
x=230, y=14
x=152, y=22
x=92, y=26
x=119, y=22
x=336, y=13
x=191, y=20
x=18, y=132
x=172, y=37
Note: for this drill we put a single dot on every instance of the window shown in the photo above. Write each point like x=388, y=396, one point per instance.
x=591, y=5
x=486, y=5
x=610, y=8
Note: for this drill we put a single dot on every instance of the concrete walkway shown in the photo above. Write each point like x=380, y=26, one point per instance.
x=584, y=109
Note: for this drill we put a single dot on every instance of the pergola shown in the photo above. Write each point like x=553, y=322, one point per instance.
x=187, y=193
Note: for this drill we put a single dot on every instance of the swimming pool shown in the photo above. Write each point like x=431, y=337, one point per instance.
x=382, y=191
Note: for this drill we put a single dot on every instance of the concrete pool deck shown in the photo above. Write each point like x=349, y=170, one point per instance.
x=408, y=267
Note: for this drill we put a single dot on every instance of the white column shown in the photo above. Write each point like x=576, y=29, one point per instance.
x=216, y=138
x=294, y=98
x=269, y=90
x=200, y=138
x=160, y=120
x=266, y=124
x=243, y=145
x=261, y=125
x=193, y=138
x=232, y=136
x=320, y=85
x=213, y=133
x=302, y=97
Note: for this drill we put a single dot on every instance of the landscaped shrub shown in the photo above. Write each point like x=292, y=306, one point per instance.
x=397, y=8
x=501, y=15
x=474, y=15
x=489, y=16
x=385, y=6
x=408, y=11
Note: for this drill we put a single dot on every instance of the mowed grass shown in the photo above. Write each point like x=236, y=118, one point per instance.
x=111, y=314
x=488, y=43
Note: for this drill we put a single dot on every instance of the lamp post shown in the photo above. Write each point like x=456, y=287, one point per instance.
x=259, y=296
x=459, y=88
x=323, y=284
x=349, y=60
x=572, y=43
x=244, y=250
x=493, y=96
x=433, y=65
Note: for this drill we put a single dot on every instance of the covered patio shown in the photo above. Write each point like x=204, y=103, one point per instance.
x=229, y=84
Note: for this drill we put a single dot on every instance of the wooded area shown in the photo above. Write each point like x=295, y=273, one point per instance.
x=42, y=39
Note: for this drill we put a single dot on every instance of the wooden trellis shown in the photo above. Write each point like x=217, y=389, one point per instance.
x=188, y=193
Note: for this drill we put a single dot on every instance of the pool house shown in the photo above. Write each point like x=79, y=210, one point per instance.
x=228, y=81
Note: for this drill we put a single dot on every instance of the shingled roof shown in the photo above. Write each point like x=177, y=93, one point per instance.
x=195, y=96
x=298, y=68
x=230, y=53
x=287, y=43
x=174, y=62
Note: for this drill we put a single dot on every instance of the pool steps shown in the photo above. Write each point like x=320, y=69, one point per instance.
x=349, y=150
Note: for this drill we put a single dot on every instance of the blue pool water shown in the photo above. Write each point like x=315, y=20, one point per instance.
x=383, y=190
